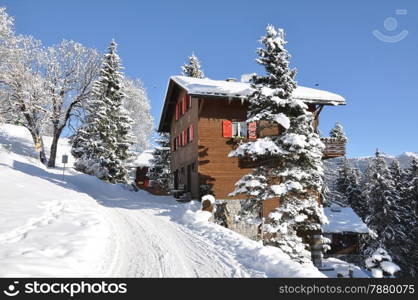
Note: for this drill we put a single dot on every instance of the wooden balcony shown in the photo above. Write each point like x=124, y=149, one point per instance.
x=333, y=147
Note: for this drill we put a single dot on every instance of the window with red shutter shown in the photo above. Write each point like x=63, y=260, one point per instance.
x=227, y=128
x=252, y=130
x=177, y=112
x=184, y=104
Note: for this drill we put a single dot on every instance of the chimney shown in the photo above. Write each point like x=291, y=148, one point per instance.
x=246, y=77
x=231, y=79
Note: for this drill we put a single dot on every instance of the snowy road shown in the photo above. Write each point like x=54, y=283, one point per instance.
x=148, y=245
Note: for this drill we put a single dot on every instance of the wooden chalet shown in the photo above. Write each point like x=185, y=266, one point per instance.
x=141, y=165
x=206, y=120
x=345, y=230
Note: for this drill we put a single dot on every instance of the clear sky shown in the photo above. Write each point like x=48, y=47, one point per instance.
x=331, y=42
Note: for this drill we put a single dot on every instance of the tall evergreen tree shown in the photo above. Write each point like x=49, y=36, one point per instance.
x=102, y=144
x=193, y=68
x=160, y=171
x=291, y=165
x=385, y=214
x=338, y=132
x=348, y=187
x=397, y=175
x=410, y=220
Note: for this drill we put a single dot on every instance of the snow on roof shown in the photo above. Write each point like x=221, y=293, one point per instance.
x=206, y=86
x=343, y=219
x=143, y=159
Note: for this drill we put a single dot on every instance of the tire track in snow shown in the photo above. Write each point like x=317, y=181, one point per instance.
x=146, y=245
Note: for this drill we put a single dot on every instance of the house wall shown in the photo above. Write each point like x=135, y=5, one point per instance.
x=186, y=155
x=215, y=167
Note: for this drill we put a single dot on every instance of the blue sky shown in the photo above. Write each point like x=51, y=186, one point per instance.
x=331, y=43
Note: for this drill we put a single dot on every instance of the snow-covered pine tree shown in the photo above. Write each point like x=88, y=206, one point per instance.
x=397, y=175
x=338, y=132
x=410, y=219
x=160, y=172
x=193, y=68
x=380, y=264
x=348, y=188
x=410, y=185
x=102, y=144
x=290, y=162
x=343, y=182
x=385, y=213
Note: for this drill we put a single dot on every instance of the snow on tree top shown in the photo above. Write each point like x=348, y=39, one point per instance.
x=143, y=159
x=343, y=219
x=206, y=86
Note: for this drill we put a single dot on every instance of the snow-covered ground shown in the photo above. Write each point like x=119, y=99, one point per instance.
x=79, y=226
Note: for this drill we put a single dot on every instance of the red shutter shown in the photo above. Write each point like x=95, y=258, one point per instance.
x=177, y=112
x=227, y=128
x=184, y=104
x=252, y=130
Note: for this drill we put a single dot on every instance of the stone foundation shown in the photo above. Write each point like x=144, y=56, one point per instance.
x=225, y=215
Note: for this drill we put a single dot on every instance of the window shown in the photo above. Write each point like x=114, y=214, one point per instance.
x=190, y=133
x=239, y=129
x=177, y=111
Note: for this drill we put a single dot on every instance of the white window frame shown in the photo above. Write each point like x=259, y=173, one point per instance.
x=241, y=127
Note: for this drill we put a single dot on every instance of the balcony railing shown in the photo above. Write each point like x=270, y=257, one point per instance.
x=333, y=147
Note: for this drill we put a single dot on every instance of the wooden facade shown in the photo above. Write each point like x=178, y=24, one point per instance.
x=202, y=158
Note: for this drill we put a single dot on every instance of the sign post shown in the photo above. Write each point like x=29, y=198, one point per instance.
x=64, y=160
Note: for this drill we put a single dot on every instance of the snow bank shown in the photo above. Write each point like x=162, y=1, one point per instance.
x=269, y=261
x=46, y=227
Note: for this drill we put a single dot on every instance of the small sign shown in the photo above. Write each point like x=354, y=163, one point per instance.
x=64, y=159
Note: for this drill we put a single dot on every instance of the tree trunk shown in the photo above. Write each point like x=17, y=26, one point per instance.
x=39, y=143
x=54, y=147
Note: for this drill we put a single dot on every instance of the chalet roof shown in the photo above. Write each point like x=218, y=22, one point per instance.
x=236, y=90
x=143, y=159
x=343, y=219
x=223, y=88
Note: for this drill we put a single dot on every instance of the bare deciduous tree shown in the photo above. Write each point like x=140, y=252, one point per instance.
x=70, y=70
